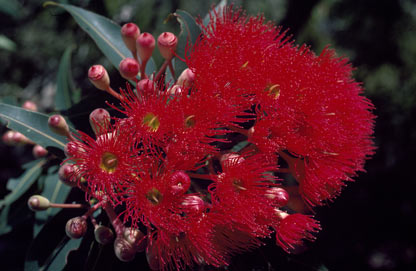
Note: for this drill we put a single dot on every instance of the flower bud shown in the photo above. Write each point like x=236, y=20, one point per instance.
x=175, y=90
x=194, y=203
x=39, y=151
x=123, y=250
x=180, y=182
x=76, y=227
x=146, y=86
x=58, y=125
x=72, y=148
x=8, y=138
x=230, y=159
x=38, y=203
x=279, y=196
x=135, y=238
x=99, y=77
x=129, y=68
x=66, y=174
x=129, y=33
x=99, y=120
x=29, y=105
x=186, y=78
x=145, y=44
x=103, y=235
x=167, y=43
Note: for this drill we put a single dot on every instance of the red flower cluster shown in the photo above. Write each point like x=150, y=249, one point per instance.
x=175, y=164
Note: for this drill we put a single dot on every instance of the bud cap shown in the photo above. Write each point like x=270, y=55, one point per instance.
x=99, y=77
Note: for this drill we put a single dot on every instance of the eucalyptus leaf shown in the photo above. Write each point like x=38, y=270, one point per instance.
x=63, y=94
x=189, y=34
x=33, y=125
x=218, y=9
x=104, y=32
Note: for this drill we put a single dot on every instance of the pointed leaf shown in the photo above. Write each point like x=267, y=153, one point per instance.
x=33, y=125
x=221, y=5
x=63, y=85
x=104, y=32
x=190, y=32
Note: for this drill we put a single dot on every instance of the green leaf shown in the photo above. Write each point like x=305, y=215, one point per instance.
x=104, y=32
x=63, y=99
x=221, y=5
x=33, y=125
x=55, y=191
x=24, y=183
x=190, y=32
x=7, y=44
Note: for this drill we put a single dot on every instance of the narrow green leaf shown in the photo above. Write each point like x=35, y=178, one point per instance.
x=190, y=32
x=217, y=9
x=63, y=99
x=25, y=182
x=33, y=125
x=104, y=32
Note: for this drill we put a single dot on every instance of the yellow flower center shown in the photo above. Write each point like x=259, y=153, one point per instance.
x=190, y=121
x=154, y=196
x=109, y=162
x=152, y=121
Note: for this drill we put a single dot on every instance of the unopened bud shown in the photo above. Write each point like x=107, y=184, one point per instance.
x=194, y=203
x=279, y=196
x=135, y=238
x=72, y=148
x=58, y=125
x=145, y=44
x=38, y=203
x=175, y=90
x=39, y=151
x=123, y=250
x=8, y=138
x=186, y=78
x=66, y=174
x=99, y=120
x=180, y=182
x=230, y=159
x=146, y=86
x=99, y=77
x=29, y=105
x=167, y=43
x=103, y=235
x=129, y=68
x=76, y=227
x=129, y=33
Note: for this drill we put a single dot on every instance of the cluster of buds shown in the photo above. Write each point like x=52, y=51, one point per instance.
x=201, y=163
x=14, y=138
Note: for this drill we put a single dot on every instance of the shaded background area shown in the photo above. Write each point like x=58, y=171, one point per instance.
x=370, y=226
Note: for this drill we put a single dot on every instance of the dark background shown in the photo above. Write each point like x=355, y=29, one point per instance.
x=371, y=226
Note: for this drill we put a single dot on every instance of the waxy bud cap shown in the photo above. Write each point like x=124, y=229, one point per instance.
x=58, y=125
x=66, y=174
x=194, y=203
x=29, y=105
x=129, y=33
x=135, y=238
x=129, y=68
x=124, y=251
x=39, y=151
x=99, y=77
x=146, y=87
x=167, y=43
x=230, y=159
x=279, y=196
x=145, y=44
x=99, y=120
x=76, y=227
x=186, y=78
x=38, y=203
x=103, y=235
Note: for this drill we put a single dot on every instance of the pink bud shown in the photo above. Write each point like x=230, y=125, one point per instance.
x=129, y=33
x=194, y=203
x=72, y=148
x=66, y=174
x=167, y=43
x=29, y=105
x=123, y=250
x=230, y=159
x=146, y=86
x=103, y=235
x=180, y=182
x=145, y=44
x=135, y=238
x=99, y=77
x=58, y=125
x=76, y=227
x=129, y=68
x=186, y=78
x=279, y=196
x=99, y=120
x=38, y=203
x=39, y=151
x=8, y=138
